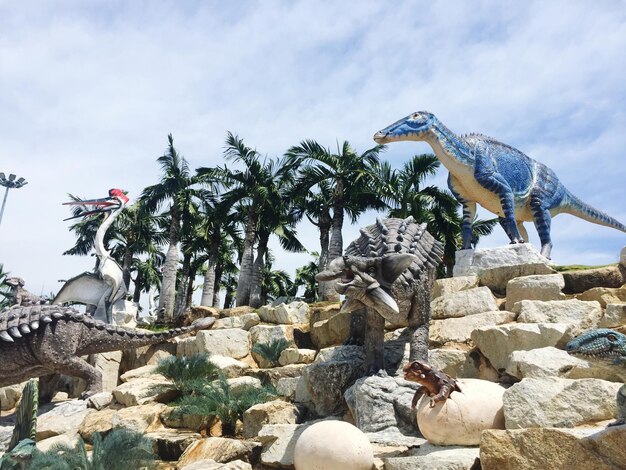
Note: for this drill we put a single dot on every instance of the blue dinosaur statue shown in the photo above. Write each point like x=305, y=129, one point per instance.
x=500, y=178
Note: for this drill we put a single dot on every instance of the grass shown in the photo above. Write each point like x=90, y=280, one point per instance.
x=580, y=267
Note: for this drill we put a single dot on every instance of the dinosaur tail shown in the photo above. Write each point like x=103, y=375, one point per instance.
x=572, y=205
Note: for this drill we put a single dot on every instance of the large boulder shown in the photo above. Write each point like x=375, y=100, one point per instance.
x=332, y=445
x=170, y=444
x=463, y=303
x=331, y=331
x=279, y=442
x=10, y=396
x=538, y=448
x=210, y=464
x=296, y=356
x=285, y=314
x=579, y=281
x=580, y=315
x=538, y=287
x=266, y=334
x=604, y=295
x=614, y=316
x=229, y=366
x=498, y=342
x=556, y=402
x=272, y=412
x=141, y=419
x=60, y=418
x=220, y=449
x=244, y=321
x=431, y=457
x=233, y=342
x=459, y=330
x=450, y=285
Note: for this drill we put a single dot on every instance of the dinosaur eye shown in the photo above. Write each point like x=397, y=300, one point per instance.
x=611, y=337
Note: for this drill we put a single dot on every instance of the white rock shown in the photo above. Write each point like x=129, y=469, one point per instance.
x=498, y=342
x=474, y=262
x=556, y=402
x=279, y=441
x=141, y=372
x=244, y=382
x=61, y=418
x=449, y=285
x=542, y=362
x=297, y=356
x=538, y=287
x=450, y=361
x=233, y=342
x=229, y=366
x=580, y=315
x=459, y=330
x=462, y=303
x=68, y=439
x=186, y=347
x=100, y=400
x=10, y=396
x=332, y=445
x=614, y=316
x=142, y=391
x=430, y=457
x=462, y=417
x=245, y=322
x=286, y=314
x=210, y=464
x=272, y=412
x=286, y=387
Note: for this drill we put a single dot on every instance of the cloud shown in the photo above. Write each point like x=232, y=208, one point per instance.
x=91, y=90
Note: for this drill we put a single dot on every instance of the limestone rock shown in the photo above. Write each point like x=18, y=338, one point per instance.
x=266, y=334
x=536, y=448
x=142, y=419
x=580, y=281
x=99, y=400
x=286, y=387
x=297, y=356
x=450, y=285
x=323, y=311
x=463, y=303
x=580, y=315
x=273, y=375
x=279, y=441
x=614, y=316
x=229, y=366
x=332, y=331
x=236, y=311
x=244, y=382
x=141, y=373
x=538, y=287
x=10, y=396
x=233, y=342
x=60, y=418
x=68, y=439
x=245, y=322
x=273, y=412
x=330, y=445
x=187, y=346
x=431, y=457
x=497, y=342
x=170, y=444
x=220, y=449
x=559, y=402
x=202, y=311
x=459, y=330
x=463, y=416
x=285, y=314
x=142, y=391
x=450, y=361
x=210, y=464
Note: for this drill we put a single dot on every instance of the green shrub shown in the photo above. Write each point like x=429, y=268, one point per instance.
x=271, y=351
x=188, y=373
x=219, y=399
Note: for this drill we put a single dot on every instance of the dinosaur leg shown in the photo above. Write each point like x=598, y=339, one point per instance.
x=522, y=230
x=374, y=342
x=469, y=212
x=77, y=367
x=542, y=219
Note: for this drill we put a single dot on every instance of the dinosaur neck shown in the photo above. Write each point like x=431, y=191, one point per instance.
x=109, y=217
x=453, y=151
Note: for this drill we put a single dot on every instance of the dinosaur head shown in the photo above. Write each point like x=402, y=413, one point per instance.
x=116, y=199
x=601, y=342
x=413, y=127
x=15, y=282
x=416, y=371
x=367, y=281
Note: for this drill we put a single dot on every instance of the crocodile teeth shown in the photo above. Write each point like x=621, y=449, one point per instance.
x=46, y=319
x=4, y=336
x=34, y=325
x=13, y=331
x=24, y=329
x=56, y=315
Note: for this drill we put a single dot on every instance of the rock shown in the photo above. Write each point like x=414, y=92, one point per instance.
x=538, y=448
x=273, y=375
x=68, y=439
x=286, y=387
x=233, y=342
x=143, y=390
x=279, y=441
x=266, y=334
x=272, y=412
x=202, y=311
x=332, y=372
x=236, y=311
x=109, y=366
x=186, y=346
x=538, y=287
x=331, y=445
x=463, y=303
x=99, y=400
x=285, y=314
x=229, y=366
x=142, y=419
x=604, y=295
x=220, y=449
x=614, y=316
x=463, y=416
x=323, y=311
x=210, y=464
x=579, y=281
x=173, y=417
x=144, y=372
x=556, y=402
x=450, y=361
x=431, y=457
x=450, y=285
x=297, y=356
x=169, y=444
x=332, y=331
x=61, y=418
x=10, y=396
x=497, y=342
x=244, y=382
x=245, y=322
x=580, y=315
x=459, y=330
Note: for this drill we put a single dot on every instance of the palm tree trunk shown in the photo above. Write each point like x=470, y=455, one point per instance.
x=137, y=290
x=181, y=295
x=335, y=246
x=189, y=296
x=219, y=270
x=257, y=272
x=208, y=288
x=325, y=290
x=170, y=266
x=126, y=265
x=247, y=260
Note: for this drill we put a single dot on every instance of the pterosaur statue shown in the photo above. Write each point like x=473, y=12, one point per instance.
x=104, y=287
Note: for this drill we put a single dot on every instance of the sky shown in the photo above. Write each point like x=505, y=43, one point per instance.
x=89, y=91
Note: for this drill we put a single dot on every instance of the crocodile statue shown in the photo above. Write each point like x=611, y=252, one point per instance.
x=498, y=177
x=609, y=344
x=388, y=274
x=38, y=340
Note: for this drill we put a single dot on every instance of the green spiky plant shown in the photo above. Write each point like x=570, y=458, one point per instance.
x=22, y=448
x=188, y=373
x=271, y=350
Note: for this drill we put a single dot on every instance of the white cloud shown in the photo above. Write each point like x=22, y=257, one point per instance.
x=91, y=90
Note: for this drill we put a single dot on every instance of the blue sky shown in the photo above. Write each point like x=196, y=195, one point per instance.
x=90, y=91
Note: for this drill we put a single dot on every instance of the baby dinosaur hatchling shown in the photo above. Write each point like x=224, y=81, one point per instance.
x=434, y=383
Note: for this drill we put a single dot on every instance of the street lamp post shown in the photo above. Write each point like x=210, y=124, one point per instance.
x=9, y=183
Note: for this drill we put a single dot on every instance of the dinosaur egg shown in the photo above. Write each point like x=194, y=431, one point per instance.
x=333, y=445
x=462, y=417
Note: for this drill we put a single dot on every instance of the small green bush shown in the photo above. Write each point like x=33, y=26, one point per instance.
x=188, y=373
x=271, y=351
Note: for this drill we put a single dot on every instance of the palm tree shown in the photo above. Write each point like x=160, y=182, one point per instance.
x=147, y=273
x=349, y=177
x=305, y=276
x=275, y=283
x=174, y=187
